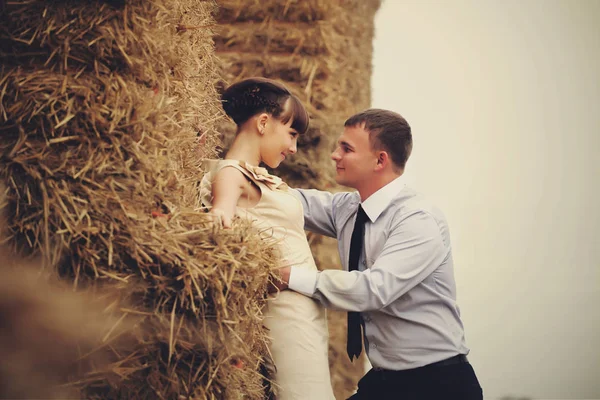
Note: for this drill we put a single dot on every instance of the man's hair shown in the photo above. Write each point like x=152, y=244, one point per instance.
x=388, y=131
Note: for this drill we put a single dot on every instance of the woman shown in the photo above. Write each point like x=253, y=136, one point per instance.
x=269, y=119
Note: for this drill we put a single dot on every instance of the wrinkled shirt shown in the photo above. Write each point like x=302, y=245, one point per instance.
x=404, y=288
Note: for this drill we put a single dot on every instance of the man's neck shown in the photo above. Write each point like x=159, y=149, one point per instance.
x=375, y=184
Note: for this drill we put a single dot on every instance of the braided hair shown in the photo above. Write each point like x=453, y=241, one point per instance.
x=245, y=99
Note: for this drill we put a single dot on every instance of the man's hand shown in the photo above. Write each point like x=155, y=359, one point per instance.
x=281, y=281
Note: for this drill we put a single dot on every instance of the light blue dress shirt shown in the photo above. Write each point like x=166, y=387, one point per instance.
x=404, y=288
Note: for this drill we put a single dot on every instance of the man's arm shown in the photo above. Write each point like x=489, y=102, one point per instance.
x=414, y=249
x=319, y=210
x=319, y=216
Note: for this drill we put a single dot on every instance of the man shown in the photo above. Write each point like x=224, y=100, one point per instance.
x=399, y=287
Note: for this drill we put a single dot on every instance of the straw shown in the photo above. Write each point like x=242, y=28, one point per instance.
x=101, y=105
x=322, y=50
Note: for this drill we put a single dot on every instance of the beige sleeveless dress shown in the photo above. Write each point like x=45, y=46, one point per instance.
x=297, y=324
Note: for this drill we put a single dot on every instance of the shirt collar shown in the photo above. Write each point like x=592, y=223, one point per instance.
x=378, y=201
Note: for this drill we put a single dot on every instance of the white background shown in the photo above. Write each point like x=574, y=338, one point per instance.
x=504, y=101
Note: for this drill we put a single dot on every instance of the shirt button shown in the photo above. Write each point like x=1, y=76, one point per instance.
x=374, y=345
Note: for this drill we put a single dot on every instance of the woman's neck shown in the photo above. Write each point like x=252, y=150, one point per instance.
x=245, y=147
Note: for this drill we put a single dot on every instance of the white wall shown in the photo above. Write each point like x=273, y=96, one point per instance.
x=504, y=101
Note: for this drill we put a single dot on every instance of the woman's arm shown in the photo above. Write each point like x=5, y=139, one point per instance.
x=227, y=187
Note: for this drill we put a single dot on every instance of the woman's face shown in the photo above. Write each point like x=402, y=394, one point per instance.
x=278, y=141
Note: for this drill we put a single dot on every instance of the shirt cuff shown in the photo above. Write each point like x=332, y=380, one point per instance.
x=303, y=281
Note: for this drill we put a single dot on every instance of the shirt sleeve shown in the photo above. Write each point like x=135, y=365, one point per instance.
x=414, y=249
x=319, y=209
x=303, y=281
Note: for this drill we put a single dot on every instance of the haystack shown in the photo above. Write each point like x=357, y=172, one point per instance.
x=101, y=106
x=322, y=50
x=50, y=334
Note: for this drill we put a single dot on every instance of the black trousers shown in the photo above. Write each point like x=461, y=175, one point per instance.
x=431, y=382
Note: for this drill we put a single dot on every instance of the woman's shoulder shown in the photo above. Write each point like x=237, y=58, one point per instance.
x=214, y=166
x=252, y=172
x=227, y=167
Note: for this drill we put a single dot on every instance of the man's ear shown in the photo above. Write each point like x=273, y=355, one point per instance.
x=383, y=159
x=261, y=122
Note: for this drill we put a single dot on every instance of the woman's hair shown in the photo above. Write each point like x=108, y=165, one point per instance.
x=243, y=100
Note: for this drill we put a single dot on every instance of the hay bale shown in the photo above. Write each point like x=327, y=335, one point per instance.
x=322, y=51
x=100, y=108
x=49, y=334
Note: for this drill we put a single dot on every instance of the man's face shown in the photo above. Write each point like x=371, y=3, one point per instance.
x=354, y=159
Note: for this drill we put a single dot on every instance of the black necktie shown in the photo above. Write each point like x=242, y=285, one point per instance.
x=354, y=345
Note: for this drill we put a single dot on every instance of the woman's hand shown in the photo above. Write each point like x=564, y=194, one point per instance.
x=221, y=217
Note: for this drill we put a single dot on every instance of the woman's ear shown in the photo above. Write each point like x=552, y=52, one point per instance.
x=261, y=122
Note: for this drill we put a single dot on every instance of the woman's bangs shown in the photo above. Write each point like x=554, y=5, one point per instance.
x=295, y=111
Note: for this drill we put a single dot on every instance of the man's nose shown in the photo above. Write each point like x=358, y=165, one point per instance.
x=335, y=155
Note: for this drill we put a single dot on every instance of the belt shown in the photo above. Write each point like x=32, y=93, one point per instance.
x=457, y=359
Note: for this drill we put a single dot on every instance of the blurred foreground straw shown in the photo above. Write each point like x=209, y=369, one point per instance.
x=101, y=105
